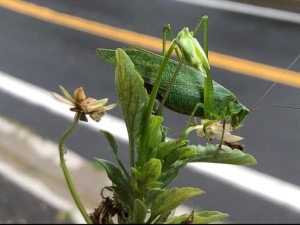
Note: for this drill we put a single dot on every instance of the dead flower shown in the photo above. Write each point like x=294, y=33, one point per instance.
x=83, y=105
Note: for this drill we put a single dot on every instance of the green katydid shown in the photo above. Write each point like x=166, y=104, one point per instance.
x=189, y=91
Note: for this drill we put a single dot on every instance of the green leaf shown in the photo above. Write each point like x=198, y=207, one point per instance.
x=151, y=195
x=209, y=217
x=113, y=172
x=131, y=94
x=112, y=141
x=165, y=148
x=177, y=154
x=165, y=131
x=97, y=166
x=163, y=217
x=154, y=135
x=171, y=199
x=168, y=176
x=203, y=217
x=121, y=185
x=147, y=176
x=151, y=170
x=212, y=153
x=139, y=212
x=155, y=130
x=110, y=138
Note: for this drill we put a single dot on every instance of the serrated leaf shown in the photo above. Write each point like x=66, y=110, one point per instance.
x=203, y=217
x=177, y=219
x=172, y=198
x=212, y=153
x=131, y=93
x=139, y=212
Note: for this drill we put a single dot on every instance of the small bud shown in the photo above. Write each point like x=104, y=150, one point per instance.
x=192, y=50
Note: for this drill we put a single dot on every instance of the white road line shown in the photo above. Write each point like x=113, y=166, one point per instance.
x=260, y=184
x=256, y=183
x=247, y=9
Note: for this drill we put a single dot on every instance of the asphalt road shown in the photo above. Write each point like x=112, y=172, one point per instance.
x=13, y=199
x=48, y=55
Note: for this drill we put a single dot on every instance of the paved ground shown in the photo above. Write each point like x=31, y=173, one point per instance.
x=13, y=199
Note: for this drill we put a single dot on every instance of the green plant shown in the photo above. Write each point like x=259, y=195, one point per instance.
x=140, y=194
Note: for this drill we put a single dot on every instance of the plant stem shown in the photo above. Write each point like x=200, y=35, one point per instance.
x=131, y=153
x=67, y=174
x=141, y=158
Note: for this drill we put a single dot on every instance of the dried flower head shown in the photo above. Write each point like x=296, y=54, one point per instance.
x=83, y=105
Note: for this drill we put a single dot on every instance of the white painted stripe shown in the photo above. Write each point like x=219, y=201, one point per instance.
x=263, y=185
x=247, y=9
x=40, y=191
x=249, y=180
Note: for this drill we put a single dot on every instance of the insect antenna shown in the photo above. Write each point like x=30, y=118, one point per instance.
x=274, y=106
x=264, y=95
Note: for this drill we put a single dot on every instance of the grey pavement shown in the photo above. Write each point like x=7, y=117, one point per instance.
x=13, y=198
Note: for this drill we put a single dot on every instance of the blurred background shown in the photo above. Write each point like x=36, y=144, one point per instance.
x=44, y=44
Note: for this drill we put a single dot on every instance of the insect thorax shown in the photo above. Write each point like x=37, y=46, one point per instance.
x=238, y=112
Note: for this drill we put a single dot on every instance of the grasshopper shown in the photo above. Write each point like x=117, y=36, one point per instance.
x=188, y=89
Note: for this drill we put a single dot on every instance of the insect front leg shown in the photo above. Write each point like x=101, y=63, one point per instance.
x=213, y=119
x=208, y=84
x=211, y=128
x=167, y=29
